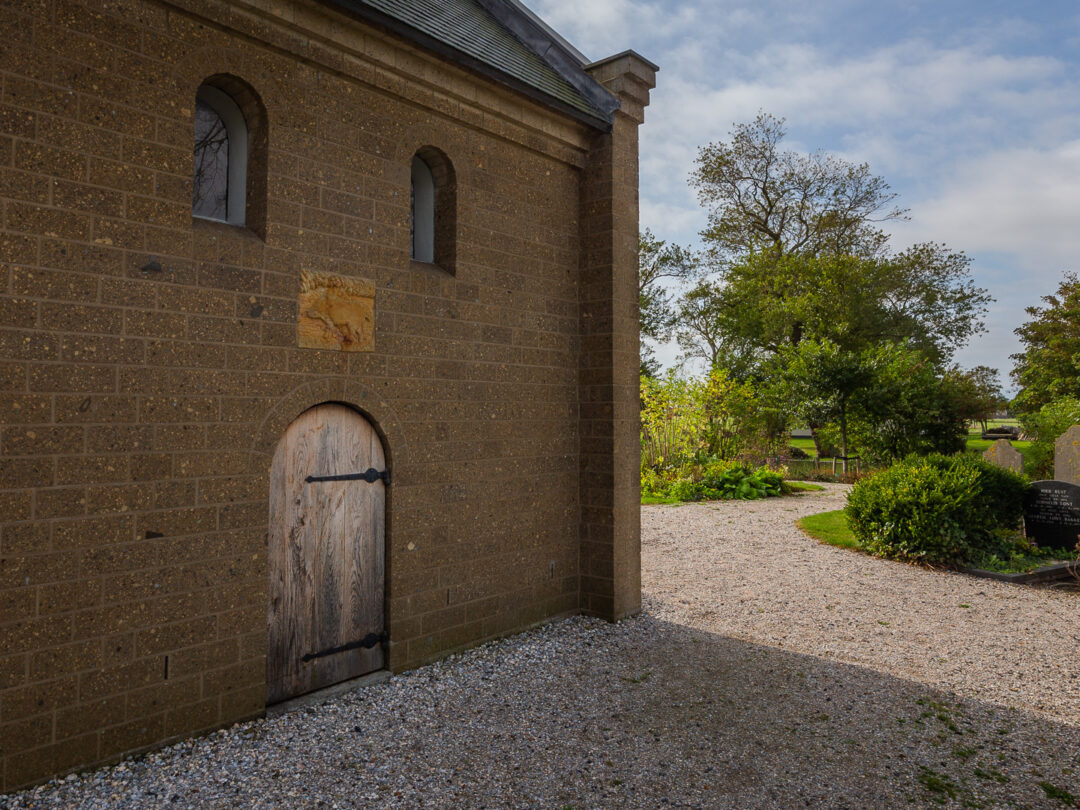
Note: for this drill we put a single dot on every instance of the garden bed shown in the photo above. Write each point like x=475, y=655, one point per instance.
x=832, y=529
x=786, y=488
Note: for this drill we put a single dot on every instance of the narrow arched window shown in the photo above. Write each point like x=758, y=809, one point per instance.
x=423, y=212
x=219, y=189
x=433, y=209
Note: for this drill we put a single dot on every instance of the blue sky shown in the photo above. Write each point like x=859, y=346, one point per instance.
x=970, y=110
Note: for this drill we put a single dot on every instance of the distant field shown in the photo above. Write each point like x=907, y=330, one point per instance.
x=977, y=445
x=804, y=444
x=975, y=442
x=993, y=423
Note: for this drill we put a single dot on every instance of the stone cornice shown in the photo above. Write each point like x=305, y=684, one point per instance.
x=334, y=41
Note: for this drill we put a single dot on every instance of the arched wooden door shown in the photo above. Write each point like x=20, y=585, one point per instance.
x=326, y=553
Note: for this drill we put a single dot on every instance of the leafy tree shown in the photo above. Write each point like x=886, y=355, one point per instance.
x=659, y=261
x=734, y=416
x=887, y=400
x=797, y=244
x=991, y=397
x=912, y=408
x=1048, y=368
x=648, y=365
x=703, y=332
x=977, y=393
x=671, y=422
x=691, y=420
x=923, y=295
x=825, y=383
x=764, y=200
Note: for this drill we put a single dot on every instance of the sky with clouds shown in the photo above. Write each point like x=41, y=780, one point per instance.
x=969, y=109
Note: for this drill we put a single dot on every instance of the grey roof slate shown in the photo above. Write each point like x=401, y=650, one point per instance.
x=473, y=31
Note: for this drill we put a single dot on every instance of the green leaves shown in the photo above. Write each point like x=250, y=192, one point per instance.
x=1048, y=368
x=1044, y=426
x=717, y=480
x=687, y=419
x=769, y=302
x=798, y=253
x=659, y=261
x=763, y=199
x=936, y=509
x=881, y=402
x=692, y=432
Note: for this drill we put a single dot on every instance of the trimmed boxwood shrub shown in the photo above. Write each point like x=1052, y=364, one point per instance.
x=1001, y=491
x=935, y=509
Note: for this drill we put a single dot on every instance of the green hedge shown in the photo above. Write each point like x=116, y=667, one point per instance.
x=936, y=509
x=1001, y=491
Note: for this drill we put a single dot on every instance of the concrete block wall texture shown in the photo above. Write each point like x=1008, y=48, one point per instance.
x=149, y=361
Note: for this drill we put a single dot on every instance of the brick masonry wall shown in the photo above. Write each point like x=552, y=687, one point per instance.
x=148, y=362
x=609, y=372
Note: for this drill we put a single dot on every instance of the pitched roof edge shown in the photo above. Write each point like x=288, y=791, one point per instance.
x=545, y=42
x=551, y=32
x=602, y=120
x=620, y=55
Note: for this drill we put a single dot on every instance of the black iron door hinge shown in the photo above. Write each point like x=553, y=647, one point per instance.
x=367, y=642
x=371, y=475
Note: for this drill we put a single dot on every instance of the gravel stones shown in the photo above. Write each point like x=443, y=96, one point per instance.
x=745, y=570
x=758, y=676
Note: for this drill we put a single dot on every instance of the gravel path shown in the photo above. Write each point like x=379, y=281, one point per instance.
x=745, y=571
x=766, y=671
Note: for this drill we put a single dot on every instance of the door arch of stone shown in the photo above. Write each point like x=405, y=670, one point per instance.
x=326, y=552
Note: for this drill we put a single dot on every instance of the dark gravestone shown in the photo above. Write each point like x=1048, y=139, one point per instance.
x=1052, y=514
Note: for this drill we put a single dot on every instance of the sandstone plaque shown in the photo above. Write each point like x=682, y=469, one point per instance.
x=1067, y=456
x=1003, y=454
x=1052, y=514
x=336, y=312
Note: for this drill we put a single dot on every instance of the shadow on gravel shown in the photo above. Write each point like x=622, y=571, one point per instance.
x=754, y=726
x=642, y=714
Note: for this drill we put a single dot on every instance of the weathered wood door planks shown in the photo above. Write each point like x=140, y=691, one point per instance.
x=326, y=552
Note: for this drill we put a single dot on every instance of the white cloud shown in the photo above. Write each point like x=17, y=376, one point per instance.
x=600, y=28
x=1022, y=202
x=665, y=218
x=907, y=109
x=1017, y=211
x=974, y=118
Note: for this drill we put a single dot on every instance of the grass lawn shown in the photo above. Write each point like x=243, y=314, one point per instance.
x=978, y=445
x=803, y=486
x=993, y=423
x=804, y=444
x=831, y=528
x=975, y=443
x=652, y=500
